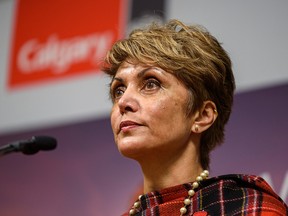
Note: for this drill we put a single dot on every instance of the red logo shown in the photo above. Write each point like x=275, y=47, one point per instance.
x=57, y=39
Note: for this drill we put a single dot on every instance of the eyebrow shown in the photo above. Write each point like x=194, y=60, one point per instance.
x=140, y=74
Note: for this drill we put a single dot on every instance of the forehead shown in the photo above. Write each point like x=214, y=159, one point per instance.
x=127, y=67
x=131, y=70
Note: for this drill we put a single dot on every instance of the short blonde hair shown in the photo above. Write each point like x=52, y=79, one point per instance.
x=195, y=57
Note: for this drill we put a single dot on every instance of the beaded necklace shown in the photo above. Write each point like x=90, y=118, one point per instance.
x=187, y=201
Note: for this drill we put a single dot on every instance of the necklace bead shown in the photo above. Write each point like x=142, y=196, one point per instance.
x=183, y=210
x=195, y=185
x=137, y=204
x=132, y=211
x=191, y=192
x=187, y=201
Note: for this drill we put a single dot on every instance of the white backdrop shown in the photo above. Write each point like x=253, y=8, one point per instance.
x=60, y=102
x=254, y=33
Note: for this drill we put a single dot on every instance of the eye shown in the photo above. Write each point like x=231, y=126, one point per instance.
x=117, y=92
x=151, y=84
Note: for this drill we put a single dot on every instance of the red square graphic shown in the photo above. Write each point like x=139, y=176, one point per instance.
x=56, y=39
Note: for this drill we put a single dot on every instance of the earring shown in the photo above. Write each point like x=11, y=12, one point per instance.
x=215, y=110
x=196, y=128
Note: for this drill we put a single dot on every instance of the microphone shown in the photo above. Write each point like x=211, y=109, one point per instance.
x=29, y=147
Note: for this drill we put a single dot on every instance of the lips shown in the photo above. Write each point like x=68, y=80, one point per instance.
x=126, y=125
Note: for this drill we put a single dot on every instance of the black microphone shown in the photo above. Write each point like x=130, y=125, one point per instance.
x=29, y=147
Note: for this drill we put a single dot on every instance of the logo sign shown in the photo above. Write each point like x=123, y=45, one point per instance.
x=56, y=39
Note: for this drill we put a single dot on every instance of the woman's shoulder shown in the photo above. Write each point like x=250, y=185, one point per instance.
x=239, y=193
x=244, y=181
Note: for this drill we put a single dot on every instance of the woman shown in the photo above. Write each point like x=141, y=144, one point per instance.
x=172, y=92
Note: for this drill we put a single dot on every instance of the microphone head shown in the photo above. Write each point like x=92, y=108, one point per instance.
x=38, y=143
x=45, y=143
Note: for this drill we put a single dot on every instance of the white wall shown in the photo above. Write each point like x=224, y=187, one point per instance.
x=60, y=102
x=253, y=32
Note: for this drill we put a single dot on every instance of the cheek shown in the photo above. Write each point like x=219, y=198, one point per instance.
x=113, y=119
x=164, y=112
x=157, y=108
x=168, y=123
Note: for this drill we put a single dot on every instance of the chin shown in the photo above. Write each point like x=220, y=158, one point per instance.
x=131, y=150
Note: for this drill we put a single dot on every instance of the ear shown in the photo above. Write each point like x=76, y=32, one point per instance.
x=205, y=117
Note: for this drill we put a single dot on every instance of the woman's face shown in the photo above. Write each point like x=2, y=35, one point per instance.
x=148, y=116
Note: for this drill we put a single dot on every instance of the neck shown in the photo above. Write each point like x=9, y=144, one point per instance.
x=170, y=170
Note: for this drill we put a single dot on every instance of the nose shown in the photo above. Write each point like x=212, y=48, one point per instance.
x=128, y=101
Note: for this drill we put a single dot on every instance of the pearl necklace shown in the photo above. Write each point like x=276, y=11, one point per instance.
x=203, y=175
x=187, y=201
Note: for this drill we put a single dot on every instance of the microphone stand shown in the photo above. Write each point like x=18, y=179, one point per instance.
x=6, y=149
